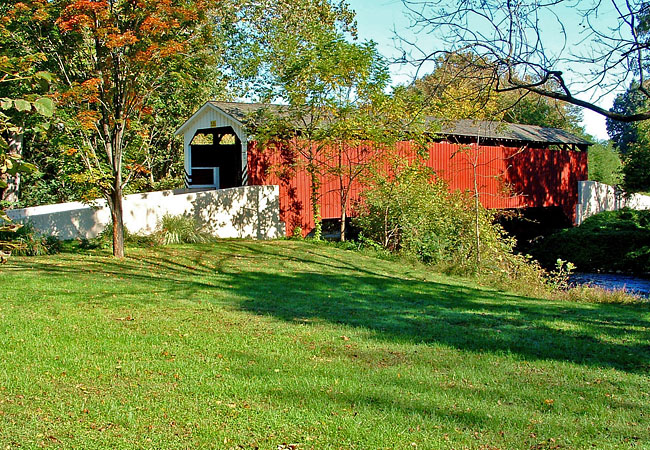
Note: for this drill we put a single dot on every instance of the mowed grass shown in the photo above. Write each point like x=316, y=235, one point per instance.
x=291, y=344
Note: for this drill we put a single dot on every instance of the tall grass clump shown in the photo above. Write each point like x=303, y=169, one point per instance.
x=597, y=294
x=181, y=229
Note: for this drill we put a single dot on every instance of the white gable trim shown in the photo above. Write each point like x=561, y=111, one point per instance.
x=200, y=112
x=211, y=116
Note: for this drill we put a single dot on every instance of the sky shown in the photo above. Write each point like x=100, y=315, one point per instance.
x=382, y=20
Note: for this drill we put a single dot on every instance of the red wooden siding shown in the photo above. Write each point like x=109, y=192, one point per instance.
x=508, y=177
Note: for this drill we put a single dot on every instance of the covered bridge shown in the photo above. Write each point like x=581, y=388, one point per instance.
x=514, y=166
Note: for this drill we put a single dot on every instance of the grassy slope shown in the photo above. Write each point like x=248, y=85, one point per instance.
x=262, y=344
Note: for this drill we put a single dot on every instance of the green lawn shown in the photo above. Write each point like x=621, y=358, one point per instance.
x=242, y=344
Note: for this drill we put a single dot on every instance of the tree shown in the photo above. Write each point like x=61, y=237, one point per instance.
x=448, y=93
x=529, y=45
x=23, y=91
x=636, y=161
x=153, y=155
x=624, y=133
x=631, y=140
x=365, y=135
x=23, y=103
x=604, y=163
x=12, y=164
x=111, y=58
x=327, y=82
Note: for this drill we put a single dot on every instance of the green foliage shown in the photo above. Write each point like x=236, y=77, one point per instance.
x=180, y=230
x=410, y=211
x=297, y=233
x=623, y=134
x=329, y=84
x=464, y=86
x=609, y=241
x=636, y=167
x=558, y=278
x=604, y=163
x=334, y=87
x=533, y=109
x=24, y=106
x=632, y=140
x=24, y=240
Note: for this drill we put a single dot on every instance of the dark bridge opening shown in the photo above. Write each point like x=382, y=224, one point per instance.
x=215, y=158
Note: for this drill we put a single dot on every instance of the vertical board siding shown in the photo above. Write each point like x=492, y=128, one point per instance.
x=506, y=177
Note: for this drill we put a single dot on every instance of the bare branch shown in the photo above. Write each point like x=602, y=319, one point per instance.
x=531, y=46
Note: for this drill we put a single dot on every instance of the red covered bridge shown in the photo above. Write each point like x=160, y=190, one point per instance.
x=515, y=166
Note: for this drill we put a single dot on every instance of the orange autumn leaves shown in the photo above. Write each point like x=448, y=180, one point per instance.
x=147, y=17
x=83, y=13
x=36, y=10
x=132, y=36
x=147, y=27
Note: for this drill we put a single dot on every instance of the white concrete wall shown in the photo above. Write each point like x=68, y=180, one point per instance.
x=247, y=211
x=595, y=197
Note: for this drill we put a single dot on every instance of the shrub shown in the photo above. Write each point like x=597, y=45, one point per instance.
x=297, y=233
x=26, y=241
x=410, y=211
x=105, y=239
x=596, y=294
x=609, y=241
x=180, y=230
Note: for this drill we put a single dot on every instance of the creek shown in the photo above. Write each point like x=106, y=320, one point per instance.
x=634, y=284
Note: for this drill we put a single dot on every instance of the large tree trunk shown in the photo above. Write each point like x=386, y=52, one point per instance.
x=15, y=141
x=116, y=193
x=115, y=204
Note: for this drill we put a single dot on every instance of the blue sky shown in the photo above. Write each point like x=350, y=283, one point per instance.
x=380, y=20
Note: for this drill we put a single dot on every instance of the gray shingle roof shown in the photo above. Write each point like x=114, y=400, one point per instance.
x=239, y=111
x=500, y=131
x=508, y=131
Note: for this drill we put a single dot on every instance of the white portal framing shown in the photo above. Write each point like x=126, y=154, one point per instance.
x=211, y=116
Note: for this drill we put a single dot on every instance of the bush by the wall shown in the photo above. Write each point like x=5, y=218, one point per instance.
x=409, y=211
x=26, y=241
x=171, y=229
x=105, y=239
x=609, y=241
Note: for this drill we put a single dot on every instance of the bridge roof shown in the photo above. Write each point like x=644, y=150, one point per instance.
x=448, y=129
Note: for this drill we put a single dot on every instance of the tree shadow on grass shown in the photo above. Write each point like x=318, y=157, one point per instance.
x=460, y=317
x=392, y=307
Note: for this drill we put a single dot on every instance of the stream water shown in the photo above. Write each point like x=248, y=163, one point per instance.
x=638, y=285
